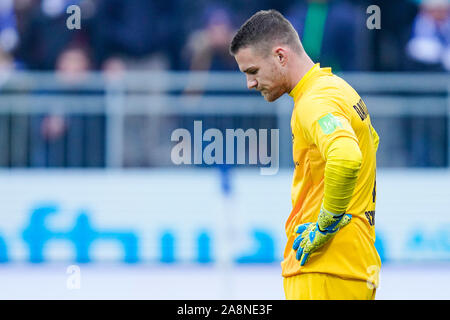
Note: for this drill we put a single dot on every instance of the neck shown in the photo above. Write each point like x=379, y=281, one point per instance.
x=300, y=67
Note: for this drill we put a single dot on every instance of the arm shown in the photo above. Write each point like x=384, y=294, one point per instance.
x=343, y=162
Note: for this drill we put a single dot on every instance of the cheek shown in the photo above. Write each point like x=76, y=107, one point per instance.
x=276, y=75
x=269, y=80
x=274, y=80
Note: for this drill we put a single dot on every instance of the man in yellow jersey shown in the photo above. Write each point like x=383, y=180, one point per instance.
x=330, y=251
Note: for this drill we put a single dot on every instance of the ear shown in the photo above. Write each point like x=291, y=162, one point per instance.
x=281, y=55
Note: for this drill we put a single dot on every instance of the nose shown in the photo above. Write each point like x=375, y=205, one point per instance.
x=251, y=83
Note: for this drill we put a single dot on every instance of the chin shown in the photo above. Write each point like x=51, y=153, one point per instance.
x=271, y=97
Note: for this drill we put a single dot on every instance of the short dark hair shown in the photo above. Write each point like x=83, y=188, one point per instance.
x=264, y=29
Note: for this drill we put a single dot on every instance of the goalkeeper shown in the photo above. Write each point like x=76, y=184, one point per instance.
x=330, y=251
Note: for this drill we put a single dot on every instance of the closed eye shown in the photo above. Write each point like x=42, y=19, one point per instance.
x=251, y=71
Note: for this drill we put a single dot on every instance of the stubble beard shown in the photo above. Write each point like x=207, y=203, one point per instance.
x=272, y=96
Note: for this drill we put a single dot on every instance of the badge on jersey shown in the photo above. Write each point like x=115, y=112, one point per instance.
x=329, y=123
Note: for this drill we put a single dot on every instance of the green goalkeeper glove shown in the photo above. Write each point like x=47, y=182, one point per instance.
x=314, y=235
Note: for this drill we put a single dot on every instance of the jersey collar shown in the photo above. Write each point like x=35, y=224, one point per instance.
x=301, y=85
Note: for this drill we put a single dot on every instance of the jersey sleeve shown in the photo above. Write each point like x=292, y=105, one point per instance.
x=376, y=138
x=322, y=121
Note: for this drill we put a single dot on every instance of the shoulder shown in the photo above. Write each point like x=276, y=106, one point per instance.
x=329, y=91
x=328, y=94
x=329, y=84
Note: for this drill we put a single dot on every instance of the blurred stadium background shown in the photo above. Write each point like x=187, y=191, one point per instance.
x=94, y=208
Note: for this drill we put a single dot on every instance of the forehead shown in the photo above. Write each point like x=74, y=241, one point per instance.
x=248, y=57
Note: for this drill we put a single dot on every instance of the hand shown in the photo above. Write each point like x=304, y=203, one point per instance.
x=314, y=235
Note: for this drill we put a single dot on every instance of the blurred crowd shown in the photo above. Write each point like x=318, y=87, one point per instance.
x=195, y=34
x=119, y=35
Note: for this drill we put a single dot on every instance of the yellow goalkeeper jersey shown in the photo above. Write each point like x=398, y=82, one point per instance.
x=326, y=108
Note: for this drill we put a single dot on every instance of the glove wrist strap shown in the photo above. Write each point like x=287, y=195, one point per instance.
x=328, y=221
